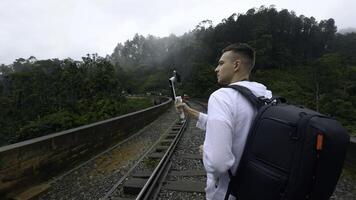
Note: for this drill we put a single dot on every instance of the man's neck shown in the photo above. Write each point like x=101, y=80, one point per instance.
x=237, y=79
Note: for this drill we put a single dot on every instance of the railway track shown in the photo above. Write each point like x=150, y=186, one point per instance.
x=156, y=175
x=141, y=182
x=93, y=178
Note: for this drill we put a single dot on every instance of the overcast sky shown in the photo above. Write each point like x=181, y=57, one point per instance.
x=72, y=28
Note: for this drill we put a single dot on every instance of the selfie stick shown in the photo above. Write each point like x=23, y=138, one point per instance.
x=177, y=99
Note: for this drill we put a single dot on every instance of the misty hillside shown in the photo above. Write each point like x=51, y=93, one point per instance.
x=347, y=30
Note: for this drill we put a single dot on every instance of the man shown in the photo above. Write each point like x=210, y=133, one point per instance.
x=229, y=118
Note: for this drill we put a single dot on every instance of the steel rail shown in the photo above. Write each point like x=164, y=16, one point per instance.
x=149, y=187
x=119, y=182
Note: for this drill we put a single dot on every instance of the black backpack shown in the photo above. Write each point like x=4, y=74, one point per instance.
x=291, y=153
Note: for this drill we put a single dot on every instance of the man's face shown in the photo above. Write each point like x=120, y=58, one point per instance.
x=225, y=69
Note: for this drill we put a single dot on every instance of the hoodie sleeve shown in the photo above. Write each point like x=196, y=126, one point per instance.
x=218, y=156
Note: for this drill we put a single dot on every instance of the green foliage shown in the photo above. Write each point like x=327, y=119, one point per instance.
x=202, y=82
x=51, y=123
x=289, y=83
x=89, y=112
x=46, y=96
x=324, y=86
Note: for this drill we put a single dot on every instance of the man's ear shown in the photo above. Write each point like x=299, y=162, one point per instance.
x=237, y=65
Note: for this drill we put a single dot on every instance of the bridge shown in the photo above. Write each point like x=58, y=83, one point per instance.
x=149, y=154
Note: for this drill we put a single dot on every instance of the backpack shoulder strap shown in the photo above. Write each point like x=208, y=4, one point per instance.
x=257, y=102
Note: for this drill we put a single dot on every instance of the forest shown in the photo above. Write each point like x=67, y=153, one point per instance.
x=39, y=97
x=298, y=57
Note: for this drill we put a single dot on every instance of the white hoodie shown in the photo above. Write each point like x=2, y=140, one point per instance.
x=227, y=124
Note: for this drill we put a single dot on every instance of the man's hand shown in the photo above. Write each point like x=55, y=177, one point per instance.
x=182, y=106
x=187, y=110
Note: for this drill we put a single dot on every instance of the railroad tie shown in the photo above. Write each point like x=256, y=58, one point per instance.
x=185, y=186
x=188, y=173
x=144, y=174
x=156, y=155
x=192, y=156
x=133, y=186
x=161, y=149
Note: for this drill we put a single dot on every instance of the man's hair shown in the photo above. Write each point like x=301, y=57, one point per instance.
x=244, y=50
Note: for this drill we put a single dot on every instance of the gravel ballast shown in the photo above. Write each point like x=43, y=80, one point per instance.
x=187, y=147
x=95, y=178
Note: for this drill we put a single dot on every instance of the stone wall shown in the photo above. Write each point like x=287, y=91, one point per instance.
x=46, y=156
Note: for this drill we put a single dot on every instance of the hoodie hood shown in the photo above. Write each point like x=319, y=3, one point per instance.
x=257, y=89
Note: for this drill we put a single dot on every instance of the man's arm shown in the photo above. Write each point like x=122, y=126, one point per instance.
x=200, y=117
x=218, y=156
x=191, y=112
